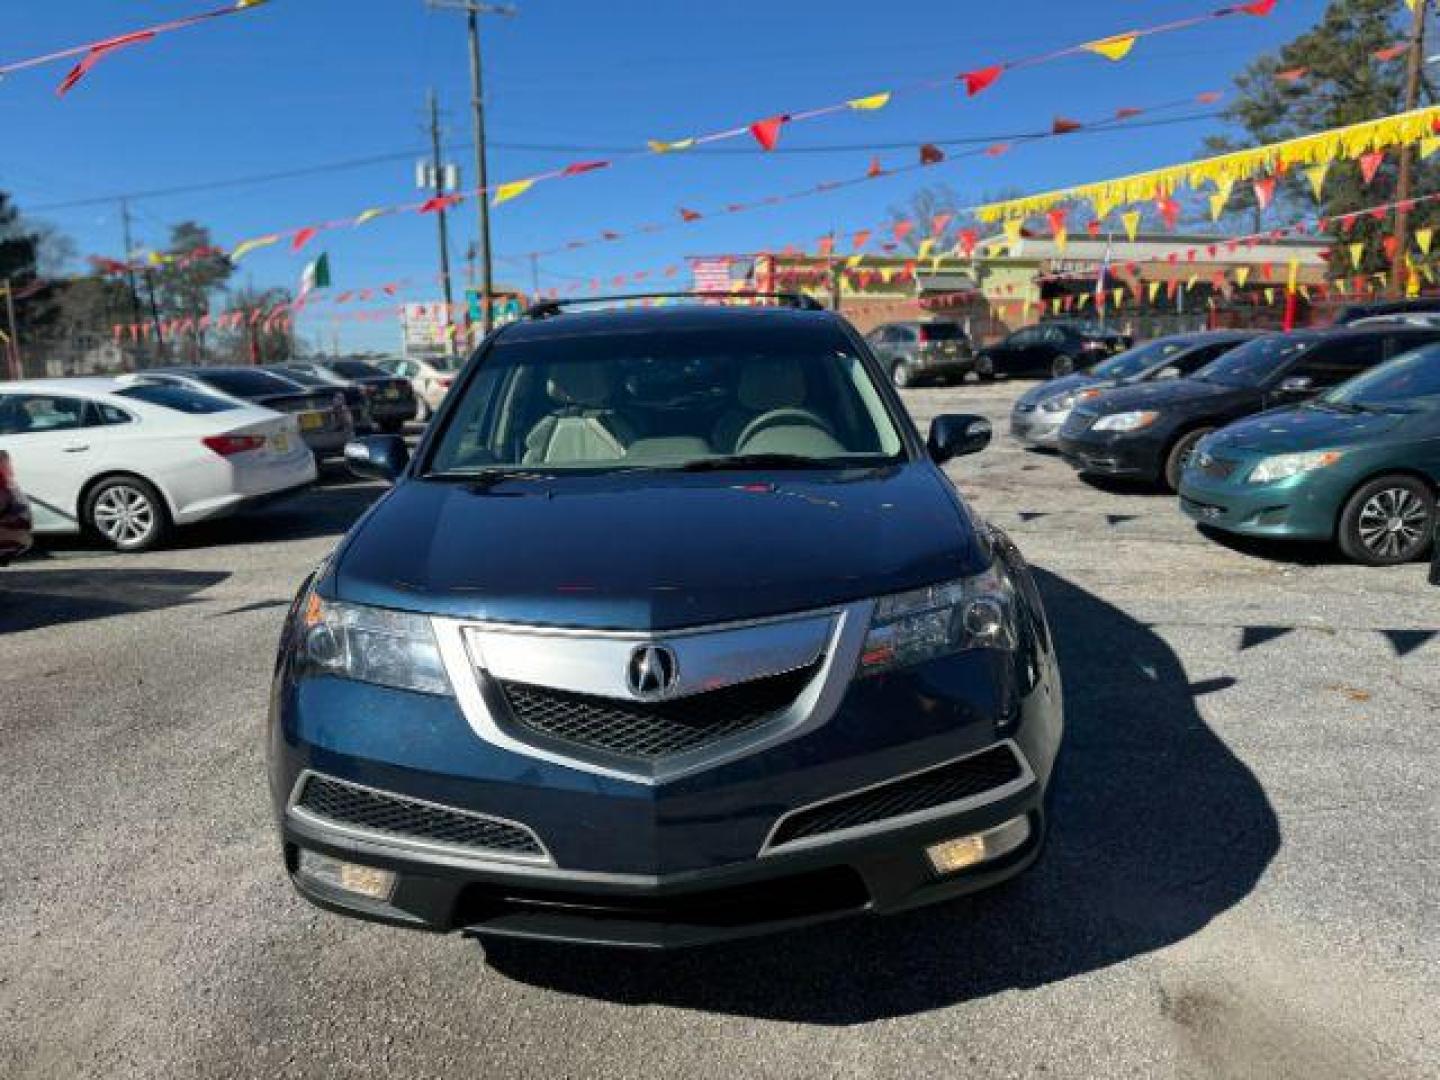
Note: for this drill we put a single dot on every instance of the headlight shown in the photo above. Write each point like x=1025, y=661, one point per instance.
x=1126, y=421
x=1060, y=402
x=912, y=627
x=374, y=645
x=1284, y=466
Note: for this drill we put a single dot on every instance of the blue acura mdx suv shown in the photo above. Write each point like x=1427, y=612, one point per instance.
x=671, y=630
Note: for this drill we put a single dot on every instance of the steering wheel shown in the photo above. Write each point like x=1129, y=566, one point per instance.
x=778, y=418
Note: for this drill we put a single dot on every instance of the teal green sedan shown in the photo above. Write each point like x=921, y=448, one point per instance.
x=1359, y=465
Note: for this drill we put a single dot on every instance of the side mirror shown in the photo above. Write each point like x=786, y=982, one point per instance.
x=1297, y=385
x=955, y=436
x=377, y=457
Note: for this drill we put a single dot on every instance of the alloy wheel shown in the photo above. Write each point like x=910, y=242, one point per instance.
x=124, y=515
x=1392, y=523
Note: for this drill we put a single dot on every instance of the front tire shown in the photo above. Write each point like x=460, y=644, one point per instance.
x=903, y=376
x=1180, y=454
x=1063, y=365
x=1388, y=521
x=985, y=369
x=127, y=513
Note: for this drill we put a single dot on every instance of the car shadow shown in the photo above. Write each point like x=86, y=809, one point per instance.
x=1157, y=829
x=1299, y=552
x=30, y=599
x=1120, y=485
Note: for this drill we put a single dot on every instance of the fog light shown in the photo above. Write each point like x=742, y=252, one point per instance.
x=367, y=881
x=950, y=856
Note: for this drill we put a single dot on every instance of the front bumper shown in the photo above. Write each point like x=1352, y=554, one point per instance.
x=1037, y=427
x=1114, y=453
x=386, y=410
x=1300, y=508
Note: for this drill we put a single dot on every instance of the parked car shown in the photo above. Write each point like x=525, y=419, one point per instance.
x=654, y=665
x=1149, y=431
x=1049, y=349
x=1412, y=318
x=1415, y=305
x=356, y=399
x=324, y=419
x=429, y=378
x=1359, y=465
x=390, y=401
x=912, y=351
x=131, y=460
x=1039, y=413
x=16, y=523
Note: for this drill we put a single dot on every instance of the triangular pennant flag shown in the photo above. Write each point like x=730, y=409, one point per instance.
x=1264, y=191
x=1119, y=295
x=1093, y=227
x=367, y=216
x=1269, y=295
x=967, y=242
x=1242, y=275
x=930, y=154
x=302, y=237
x=689, y=215
x=578, y=167
x=939, y=222
x=923, y=251
x=871, y=103
x=1258, y=7
x=1131, y=221
x=1112, y=48
x=246, y=246
x=1064, y=126
x=767, y=131
x=975, y=81
x=997, y=149
x=1217, y=206
x=98, y=52
x=1013, y=228
x=1370, y=164
x=1316, y=174
x=1390, y=243
x=1429, y=145
x=861, y=239
x=1056, y=219
x=512, y=190
x=901, y=229
x=1357, y=253
x=1423, y=238
x=1292, y=75
x=658, y=147
x=439, y=202
x=1394, y=52
x=875, y=169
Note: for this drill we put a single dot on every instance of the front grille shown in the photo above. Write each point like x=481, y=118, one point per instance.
x=1024, y=407
x=651, y=730
x=394, y=815
x=936, y=787
x=1200, y=509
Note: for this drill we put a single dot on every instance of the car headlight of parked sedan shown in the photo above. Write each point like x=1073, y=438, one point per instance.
x=1284, y=466
x=1060, y=402
x=374, y=645
x=1127, y=421
x=924, y=624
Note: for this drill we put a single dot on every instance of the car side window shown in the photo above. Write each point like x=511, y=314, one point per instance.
x=1331, y=363
x=1195, y=359
x=903, y=334
x=1029, y=336
x=109, y=414
x=28, y=414
x=1403, y=343
x=1053, y=335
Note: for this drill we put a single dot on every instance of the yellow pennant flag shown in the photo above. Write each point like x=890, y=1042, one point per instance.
x=1054, y=305
x=1217, y=207
x=1154, y=290
x=1293, y=277
x=886, y=274
x=1062, y=237
x=246, y=246
x=1242, y=275
x=1112, y=48
x=853, y=261
x=1305, y=292
x=1191, y=280
x=1119, y=295
x=871, y=103
x=1012, y=232
x=1427, y=273
x=1423, y=238
x=367, y=216
x=1131, y=221
x=1412, y=280
x=1429, y=145
x=1269, y=295
x=658, y=147
x=1316, y=175
x=241, y=5
x=513, y=190
x=923, y=252
x=935, y=263
x=1357, y=252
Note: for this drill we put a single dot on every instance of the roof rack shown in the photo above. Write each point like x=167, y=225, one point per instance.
x=546, y=309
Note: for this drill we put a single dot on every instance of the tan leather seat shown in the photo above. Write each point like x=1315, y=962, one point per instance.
x=764, y=386
x=584, y=429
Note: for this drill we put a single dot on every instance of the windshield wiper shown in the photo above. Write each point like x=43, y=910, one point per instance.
x=757, y=461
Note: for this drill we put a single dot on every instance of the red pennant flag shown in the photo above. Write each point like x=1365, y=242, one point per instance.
x=875, y=169
x=1259, y=7
x=439, y=202
x=901, y=229
x=344, y=297
x=767, y=132
x=997, y=149
x=1391, y=244
x=302, y=237
x=968, y=239
x=1127, y=113
x=1093, y=226
x=579, y=167
x=1063, y=126
x=1169, y=211
x=98, y=52
x=609, y=235
x=826, y=245
x=939, y=222
x=1291, y=75
x=1209, y=97
x=1379, y=213
x=1370, y=164
x=860, y=239
x=1394, y=52
x=1264, y=192
x=689, y=215
x=975, y=81
x=1057, y=218
x=930, y=154
x=671, y=271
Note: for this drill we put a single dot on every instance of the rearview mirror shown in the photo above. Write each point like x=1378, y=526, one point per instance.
x=378, y=457
x=1297, y=384
x=953, y=436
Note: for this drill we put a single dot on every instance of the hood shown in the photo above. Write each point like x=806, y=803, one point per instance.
x=645, y=551
x=1172, y=393
x=1302, y=428
x=1055, y=387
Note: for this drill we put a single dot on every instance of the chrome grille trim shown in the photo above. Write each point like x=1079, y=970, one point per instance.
x=1020, y=783
x=838, y=656
x=414, y=843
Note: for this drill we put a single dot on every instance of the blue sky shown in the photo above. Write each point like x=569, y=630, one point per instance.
x=304, y=83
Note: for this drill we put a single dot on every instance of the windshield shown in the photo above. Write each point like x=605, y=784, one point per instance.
x=1408, y=377
x=941, y=331
x=355, y=369
x=304, y=378
x=1141, y=358
x=670, y=399
x=246, y=384
x=1252, y=363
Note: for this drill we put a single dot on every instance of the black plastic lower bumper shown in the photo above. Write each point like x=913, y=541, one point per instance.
x=881, y=873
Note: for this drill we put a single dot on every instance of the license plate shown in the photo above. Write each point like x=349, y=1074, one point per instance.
x=311, y=421
x=281, y=442
x=392, y=393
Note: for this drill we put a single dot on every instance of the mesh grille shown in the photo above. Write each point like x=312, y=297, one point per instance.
x=651, y=730
x=947, y=784
x=364, y=809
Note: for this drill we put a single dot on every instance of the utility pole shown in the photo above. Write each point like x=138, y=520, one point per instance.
x=473, y=11
x=439, y=168
x=129, y=249
x=1414, y=67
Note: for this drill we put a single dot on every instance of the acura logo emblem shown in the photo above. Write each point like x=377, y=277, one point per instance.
x=652, y=671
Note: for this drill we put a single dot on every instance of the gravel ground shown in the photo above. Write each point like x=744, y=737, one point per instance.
x=1242, y=881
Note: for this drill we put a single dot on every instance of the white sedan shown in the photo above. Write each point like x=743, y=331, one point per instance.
x=130, y=460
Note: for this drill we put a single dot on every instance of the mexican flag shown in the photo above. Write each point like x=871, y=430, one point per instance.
x=316, y=275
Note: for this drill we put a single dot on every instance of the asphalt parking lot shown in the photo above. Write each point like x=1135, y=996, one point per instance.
x=1243, y=878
